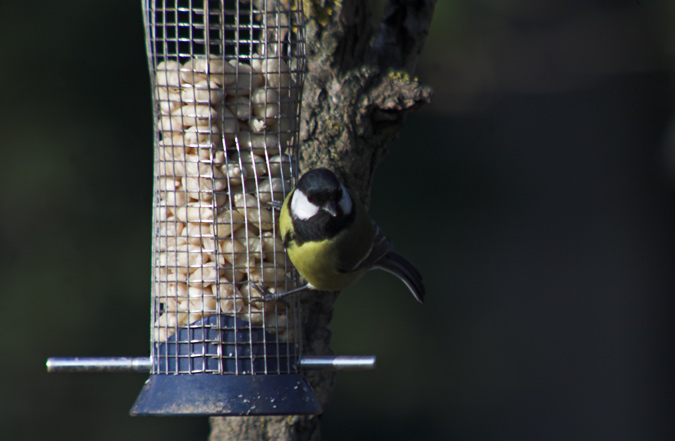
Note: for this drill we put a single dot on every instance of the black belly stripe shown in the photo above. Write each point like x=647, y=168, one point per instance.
x=287, y=239
x=321, y=226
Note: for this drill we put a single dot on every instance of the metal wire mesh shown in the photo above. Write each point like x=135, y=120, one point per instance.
x=227, y=80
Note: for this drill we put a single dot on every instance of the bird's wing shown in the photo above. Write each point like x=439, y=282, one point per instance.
x=382, y=256
x=381, y=246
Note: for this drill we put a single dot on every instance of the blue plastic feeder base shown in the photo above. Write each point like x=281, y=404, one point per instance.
x=220, y=365
x=223, y=395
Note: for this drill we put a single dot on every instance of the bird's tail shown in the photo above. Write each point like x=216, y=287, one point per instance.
x=402, y=268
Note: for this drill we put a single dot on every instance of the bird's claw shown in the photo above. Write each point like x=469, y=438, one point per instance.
x=276, y=205
x=267, y=296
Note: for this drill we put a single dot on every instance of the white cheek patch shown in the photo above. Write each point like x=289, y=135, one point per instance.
x=345, y=202
x=301, y=207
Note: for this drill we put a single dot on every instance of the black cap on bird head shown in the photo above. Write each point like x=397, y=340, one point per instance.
x=320, y=185
x=320, y=206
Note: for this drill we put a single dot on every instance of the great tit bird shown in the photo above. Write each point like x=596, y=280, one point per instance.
x=332, y=241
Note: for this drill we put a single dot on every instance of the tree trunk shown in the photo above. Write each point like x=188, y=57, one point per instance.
x=358, y=88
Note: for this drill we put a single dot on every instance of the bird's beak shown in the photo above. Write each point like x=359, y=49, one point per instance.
x=330, y=207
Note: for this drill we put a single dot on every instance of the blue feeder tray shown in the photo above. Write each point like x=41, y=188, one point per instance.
x=221, y=366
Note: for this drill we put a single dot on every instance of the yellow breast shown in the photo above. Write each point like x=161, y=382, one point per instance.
x=317, y=263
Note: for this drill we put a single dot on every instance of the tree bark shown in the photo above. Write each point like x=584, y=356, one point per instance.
x=358, y=88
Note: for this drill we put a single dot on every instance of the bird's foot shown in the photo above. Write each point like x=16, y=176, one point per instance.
x=276, y=204
x=268, y=296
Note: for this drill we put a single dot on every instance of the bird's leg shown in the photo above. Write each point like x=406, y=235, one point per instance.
x=268, y=296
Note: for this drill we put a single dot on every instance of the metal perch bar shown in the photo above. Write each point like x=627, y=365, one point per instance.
x=99, y=364
x=144, y=364
x=338, y=362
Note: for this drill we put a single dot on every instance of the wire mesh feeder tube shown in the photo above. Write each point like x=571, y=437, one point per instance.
x=226, y=79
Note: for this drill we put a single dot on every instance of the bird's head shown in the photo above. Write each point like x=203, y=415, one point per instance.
x=320, y=193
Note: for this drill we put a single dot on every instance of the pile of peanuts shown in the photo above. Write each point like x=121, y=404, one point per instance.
x=226, y=129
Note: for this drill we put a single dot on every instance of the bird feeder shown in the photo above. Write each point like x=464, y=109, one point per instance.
x=226, y=80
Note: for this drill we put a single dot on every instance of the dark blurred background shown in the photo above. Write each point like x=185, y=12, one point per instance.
x=535, y=194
